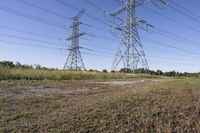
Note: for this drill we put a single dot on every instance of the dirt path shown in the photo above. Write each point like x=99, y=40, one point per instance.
x=122, y=83
x=72, y=89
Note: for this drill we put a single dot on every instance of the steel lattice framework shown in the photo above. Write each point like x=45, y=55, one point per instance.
x=130, y=53
x=74, y=60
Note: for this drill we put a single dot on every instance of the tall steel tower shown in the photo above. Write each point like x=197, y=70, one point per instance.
x=130, y=54
x=74, y=60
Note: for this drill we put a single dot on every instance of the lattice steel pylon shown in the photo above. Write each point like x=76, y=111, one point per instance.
x=74, y=60
x=130, y=53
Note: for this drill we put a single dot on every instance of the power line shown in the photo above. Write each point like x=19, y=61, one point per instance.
x=29, y=16
x=46, y=47
x=156, y=49
x=185, y=14
x=185, y=9
x=102, y=54
x=164, y=33
x=155, y=43
x=171, y=34
x=171, y=53
x=60, y=15
x=98, y=47
x=57, y=14
x=169, y=46
x=98, y=8
x=29, y=45
x=53, y=13
x=76, y=9
x=158, y=43
x=19, y=37
x=106, y=55
x=174, y=62
x=43, y=9
x=28, y=39
x=175, y=37
x=29, y=32
x=94, y=5
x=172, y=20
x=169, y=61
x=87, y=14
x=118, y=2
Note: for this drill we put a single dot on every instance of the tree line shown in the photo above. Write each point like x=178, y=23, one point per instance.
x=161, y=73
x=18, y=65
x=10, y=64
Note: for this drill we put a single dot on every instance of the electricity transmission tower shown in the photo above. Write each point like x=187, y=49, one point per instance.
x=74, y=60
x=124, y=20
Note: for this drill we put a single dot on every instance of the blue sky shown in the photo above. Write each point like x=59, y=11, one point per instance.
x=48, y=51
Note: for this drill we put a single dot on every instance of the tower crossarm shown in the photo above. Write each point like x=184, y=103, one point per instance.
x=118, y=11
x=79, y=15
x=143, y=22
x=161, y=1
x=76, y=36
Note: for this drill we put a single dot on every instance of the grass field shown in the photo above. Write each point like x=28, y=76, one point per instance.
x=143, y=105
x=40, y=74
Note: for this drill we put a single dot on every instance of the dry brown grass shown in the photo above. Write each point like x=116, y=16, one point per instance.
x=159, y=106
x=39, y=74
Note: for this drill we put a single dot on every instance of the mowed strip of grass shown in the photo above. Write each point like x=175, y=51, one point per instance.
x=171, y=106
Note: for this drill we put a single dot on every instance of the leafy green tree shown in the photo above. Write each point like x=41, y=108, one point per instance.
x=104, y=71
x=159, y=72
x=126, y=70
x=9, y=64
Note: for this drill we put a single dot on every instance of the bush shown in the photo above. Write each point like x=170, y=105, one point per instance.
x=105, y=71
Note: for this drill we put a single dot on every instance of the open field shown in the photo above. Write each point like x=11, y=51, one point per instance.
x=149, y=105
